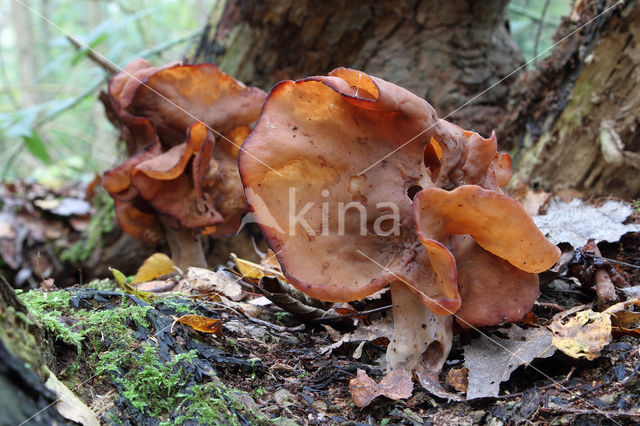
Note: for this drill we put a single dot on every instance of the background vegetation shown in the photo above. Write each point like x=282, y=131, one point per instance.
x=52, y=126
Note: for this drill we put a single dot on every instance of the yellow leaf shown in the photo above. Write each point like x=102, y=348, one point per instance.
x=156, y=265
x=200, y=323
x=253, y=270
x=128, y=288
x=583, y=334
x=119, y=277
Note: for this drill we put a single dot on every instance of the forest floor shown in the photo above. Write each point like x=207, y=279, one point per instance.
x=136, y=357
x=131, y=363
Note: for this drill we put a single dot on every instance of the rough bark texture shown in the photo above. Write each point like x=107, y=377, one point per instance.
x=575, y=120
x=446, y=51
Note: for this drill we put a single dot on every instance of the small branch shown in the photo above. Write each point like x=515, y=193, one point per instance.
x=607, y=413
x=105, y=65
x=354, y=314
x=539, y=33
x=630, y=265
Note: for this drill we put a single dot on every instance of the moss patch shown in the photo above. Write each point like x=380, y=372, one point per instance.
x=112, y=341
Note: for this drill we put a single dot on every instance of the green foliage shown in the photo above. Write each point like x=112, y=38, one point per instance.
x=526, y=18
x=46, y=122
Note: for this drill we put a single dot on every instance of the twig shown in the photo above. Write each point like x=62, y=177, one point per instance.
x=630, y=265
x=354, y=314
x=522, y=11
x=606, y=413
x=107, y=66
x=550, y=305
x=539, y=33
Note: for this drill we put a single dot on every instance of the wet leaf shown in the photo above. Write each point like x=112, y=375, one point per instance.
x=582, y=334
x=200, y=323
x=155, y=266
x=395, y=385
x=491, y=360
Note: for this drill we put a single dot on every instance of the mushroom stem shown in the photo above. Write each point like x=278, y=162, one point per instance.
x=186, y=248
x=420, y=338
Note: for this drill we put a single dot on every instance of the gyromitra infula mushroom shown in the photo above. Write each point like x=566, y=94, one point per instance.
x=183, y=126
x=367, y=187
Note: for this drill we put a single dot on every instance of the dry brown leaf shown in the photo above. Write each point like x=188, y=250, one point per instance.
x=204, y=281
x=458, y=379
x=625, y=322
x=395, y=385
x=582, y=334
x=155, y=266
x=200, y=323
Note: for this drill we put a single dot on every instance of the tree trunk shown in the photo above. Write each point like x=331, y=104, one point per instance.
x=444, y=50
x=575, y=121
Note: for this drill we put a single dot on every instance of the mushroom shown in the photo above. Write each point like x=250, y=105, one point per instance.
x=183, y=126
x=365, y=187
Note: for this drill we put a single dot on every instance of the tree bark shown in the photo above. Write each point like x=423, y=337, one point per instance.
x=574, y=123
x=446, y=51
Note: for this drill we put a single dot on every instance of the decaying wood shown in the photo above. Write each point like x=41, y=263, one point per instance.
x=574, y=123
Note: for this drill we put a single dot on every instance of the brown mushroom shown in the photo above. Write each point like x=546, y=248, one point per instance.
x=353, y=164
x=183, y=126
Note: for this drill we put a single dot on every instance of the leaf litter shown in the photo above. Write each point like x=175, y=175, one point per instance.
x=314, y=364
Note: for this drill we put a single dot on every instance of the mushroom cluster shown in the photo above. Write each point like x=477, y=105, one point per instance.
x=183, y=126
x=366, y=187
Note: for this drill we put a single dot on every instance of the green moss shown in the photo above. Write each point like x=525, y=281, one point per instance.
x=180, y=306
x=48, y=308
x=163, y=390
x=101, y=222
x=102, y=285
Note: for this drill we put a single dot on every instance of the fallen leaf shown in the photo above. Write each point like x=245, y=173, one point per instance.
x=582, y=334
x=491, y=360
x=458, y=379
x=395, y=385
x=155, y=266
x=68, y=404
x=429, y=381
x=575, y=222
x=368, y=333
x=625, y=322
x=200, y=323
x=204, y=281
x=128, y=288
x=253, y=270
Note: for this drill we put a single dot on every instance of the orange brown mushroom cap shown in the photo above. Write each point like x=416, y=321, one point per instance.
x=356, y=183
x=183, y=125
